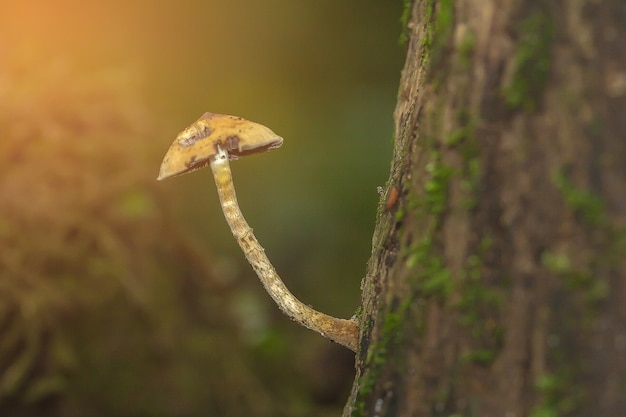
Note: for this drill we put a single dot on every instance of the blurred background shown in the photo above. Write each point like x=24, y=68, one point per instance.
x=121, y=296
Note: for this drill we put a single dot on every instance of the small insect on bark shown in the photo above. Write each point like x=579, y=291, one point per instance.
x=392, y=198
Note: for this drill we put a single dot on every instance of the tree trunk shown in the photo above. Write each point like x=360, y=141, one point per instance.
x=497, y=282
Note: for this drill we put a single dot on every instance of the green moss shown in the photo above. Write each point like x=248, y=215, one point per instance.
x=595, y=289
x=464, y=141
x=444, y=18
x=358, y=314
x=479, y=307
x=581, y=279
x=482, y=357
x=378, y=355
x=609, y=240
x=433, y=278
x=557, y=263
x=532, y=62
x=437, y=187
x=559, y=398
x=426, y=40
x=390, y=334
x=440, y=18
x=466, y=49
x=459, y=135
x=399, y=214
x=476, y=299
x=426, y=46
x=439, y=280
x=479, y=303
x=582, y=202
x=404, y=20
x=586, y=277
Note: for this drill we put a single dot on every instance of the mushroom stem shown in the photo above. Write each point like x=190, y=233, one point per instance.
x=342, y=331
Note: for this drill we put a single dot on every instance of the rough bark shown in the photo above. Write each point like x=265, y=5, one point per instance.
x=497, y=282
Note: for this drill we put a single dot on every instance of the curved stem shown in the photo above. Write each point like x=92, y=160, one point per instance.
x=342, y=331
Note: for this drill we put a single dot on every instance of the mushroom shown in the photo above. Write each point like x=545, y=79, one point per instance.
x=213, y=140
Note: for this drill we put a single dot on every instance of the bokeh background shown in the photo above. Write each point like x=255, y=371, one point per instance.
x=121, y=296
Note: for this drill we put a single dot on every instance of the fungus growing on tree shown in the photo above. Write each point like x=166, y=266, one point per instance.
x=213, y=140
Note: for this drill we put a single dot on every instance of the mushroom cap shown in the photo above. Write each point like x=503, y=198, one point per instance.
x=194, y=147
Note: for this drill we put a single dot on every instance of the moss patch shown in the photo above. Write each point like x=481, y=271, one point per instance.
x=558, y=398
x=440, y=16
x=379, y=355
x=532, y=62
x=585, y=204
x=466, y=49
x=434, y=279
x=407, y=6
x=590, y=208
x=479, y=306
x=437, y=187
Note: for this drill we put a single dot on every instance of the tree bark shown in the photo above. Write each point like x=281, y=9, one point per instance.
x=497, y=281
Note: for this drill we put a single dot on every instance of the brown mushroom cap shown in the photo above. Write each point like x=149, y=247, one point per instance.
x=194, y=147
